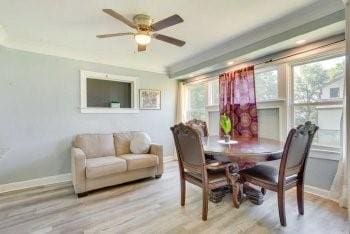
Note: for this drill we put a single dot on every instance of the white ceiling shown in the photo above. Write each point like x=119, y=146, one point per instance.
x=68, y=28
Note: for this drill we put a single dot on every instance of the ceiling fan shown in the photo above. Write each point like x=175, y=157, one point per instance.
x=145, y=29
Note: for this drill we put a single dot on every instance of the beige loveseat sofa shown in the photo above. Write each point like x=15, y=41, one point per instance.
x=101, y=160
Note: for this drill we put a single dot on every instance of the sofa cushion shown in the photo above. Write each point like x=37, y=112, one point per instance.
x=122, y=142
x=103, y=166
x=138, y=161
x=95, y=145
x=140, y=143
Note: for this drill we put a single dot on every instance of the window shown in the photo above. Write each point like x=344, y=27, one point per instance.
x=213, y=95
x=317, y=94
x=266, y=85
x=197, y=101
x=269, y=123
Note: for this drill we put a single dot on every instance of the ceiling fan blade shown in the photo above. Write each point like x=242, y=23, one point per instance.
x=167, y=39
x=119, y=17
x=167, y=22
x=113, y=35
x=141, y=48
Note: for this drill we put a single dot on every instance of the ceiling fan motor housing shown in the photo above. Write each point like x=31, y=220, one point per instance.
x=143, y=22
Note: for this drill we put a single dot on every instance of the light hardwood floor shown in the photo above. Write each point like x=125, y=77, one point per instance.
x=153, y=206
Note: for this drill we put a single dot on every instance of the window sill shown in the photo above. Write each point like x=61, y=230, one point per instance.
x=328, y=154
x=260, y=105
x=109, y=110
x=212, y=108
x=271, y=101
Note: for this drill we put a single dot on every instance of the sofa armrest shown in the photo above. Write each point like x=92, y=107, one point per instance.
x=158, y=150
x=78, y=164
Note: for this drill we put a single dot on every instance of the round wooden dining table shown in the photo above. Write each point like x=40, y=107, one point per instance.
x=246, y=152
x=243, y=149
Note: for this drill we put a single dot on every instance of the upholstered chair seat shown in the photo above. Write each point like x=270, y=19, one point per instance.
x=265, y=174
x=215, y=179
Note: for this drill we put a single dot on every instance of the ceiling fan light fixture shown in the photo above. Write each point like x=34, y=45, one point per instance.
x=142, y=38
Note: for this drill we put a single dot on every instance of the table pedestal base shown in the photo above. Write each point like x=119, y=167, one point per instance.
x=216, y=195
x=240, y=193
x=253, y=195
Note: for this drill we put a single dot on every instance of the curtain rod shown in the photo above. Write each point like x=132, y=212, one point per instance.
x=298, y=53
x=193, y=80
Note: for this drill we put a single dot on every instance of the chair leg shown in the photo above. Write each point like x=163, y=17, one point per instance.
x=183, y=191
x=205, y=204
x=236, y=190
x=281, y=208
x=236, y=195
x=84, y=194
x=233, y=180
x=300, y=198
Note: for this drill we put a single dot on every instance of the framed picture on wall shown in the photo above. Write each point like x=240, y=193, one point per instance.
x=150, y=99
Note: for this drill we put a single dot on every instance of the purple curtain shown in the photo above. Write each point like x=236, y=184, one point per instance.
x=237, y=100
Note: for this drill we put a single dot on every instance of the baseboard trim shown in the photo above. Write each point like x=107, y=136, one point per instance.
x=64, y=178
x=168, y=159
x=45, y=181
x=318, y=192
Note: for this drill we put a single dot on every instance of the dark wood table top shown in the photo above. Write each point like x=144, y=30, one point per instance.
x=246, y=149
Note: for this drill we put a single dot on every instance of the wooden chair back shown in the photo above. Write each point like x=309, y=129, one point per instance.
x=200, y=126
x=296, y=151
x=189, y=148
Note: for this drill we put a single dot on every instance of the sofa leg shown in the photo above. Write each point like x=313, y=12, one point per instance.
x=82, y=194
x=158, y=176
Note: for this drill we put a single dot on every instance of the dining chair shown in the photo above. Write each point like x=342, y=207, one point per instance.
x=193, y=166
x=291, y=169
x=201, y=128
x=199, y=125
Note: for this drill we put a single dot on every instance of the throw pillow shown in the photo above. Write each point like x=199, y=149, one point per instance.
x=140, y=143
